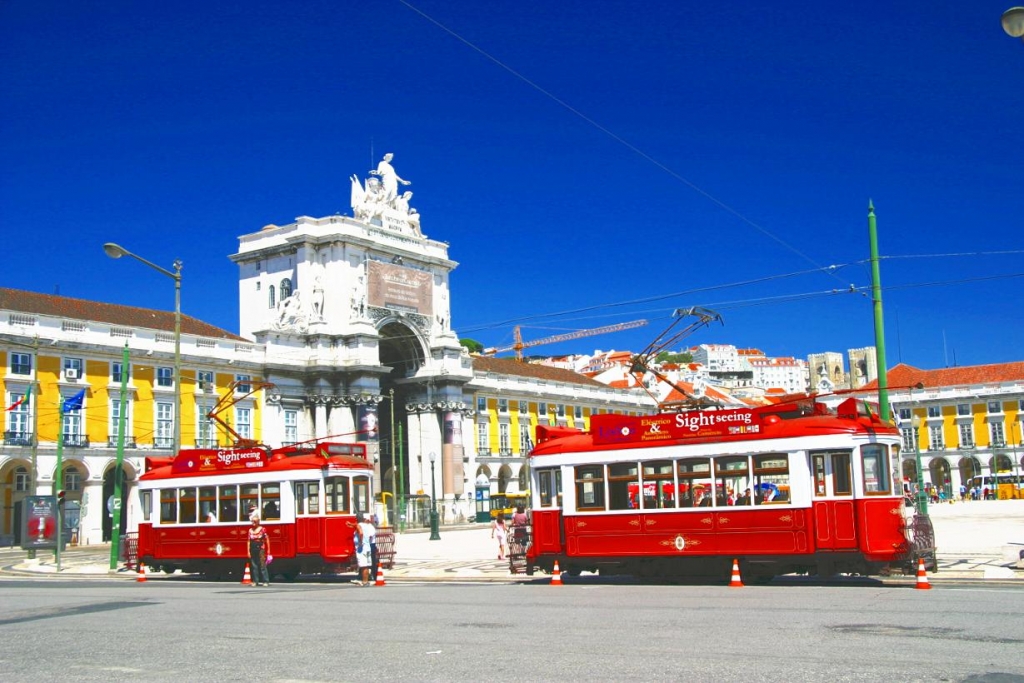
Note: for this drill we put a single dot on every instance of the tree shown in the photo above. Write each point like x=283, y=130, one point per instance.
x=680, y=358
x=472, y=345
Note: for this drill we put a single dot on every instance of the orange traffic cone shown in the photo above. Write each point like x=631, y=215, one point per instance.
x=556, y=576
x=246, y=577
x=735, y=581
x=142, y=573
x=922, y=577
x=379, y=581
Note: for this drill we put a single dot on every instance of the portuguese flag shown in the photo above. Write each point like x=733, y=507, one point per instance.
x=23, y=399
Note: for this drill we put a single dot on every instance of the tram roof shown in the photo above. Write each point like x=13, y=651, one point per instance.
x=278, y=462
x=799, y=418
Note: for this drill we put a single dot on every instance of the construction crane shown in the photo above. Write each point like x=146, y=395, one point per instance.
x=519, y=344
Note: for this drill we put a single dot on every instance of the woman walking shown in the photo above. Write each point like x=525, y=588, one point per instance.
x=259, y=549
x=499, y=532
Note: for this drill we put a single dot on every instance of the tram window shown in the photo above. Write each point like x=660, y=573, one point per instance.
x=732, y=480
x=361, y=494
x=336, y=489
x=590, y=487
x=842, y=481
x=187, y=506
x=270, y=497
x=544, y=486
x=168, y=506
x=146, y=502
x=771, y=478
x=307, y=498
x=658, y=486
x=207, y=503
x=228, y=496
x=623, y=486
x=558, y=488
x=249, y=499
x=695, y=483
x=818, y=466
x=876, y=468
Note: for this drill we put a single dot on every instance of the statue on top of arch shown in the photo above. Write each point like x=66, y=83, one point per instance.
x=379, y=199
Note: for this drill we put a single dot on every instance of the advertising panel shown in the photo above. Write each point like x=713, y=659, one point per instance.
x=39, y=523
x=400, y=288
x=610, y=428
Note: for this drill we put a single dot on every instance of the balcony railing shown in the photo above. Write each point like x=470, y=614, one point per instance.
x=129, y=442
x=76, y=441
x=18, y=438
x=484, y=452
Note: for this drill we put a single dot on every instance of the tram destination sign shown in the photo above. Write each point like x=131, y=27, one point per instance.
x=610, y=428
x=219, y=460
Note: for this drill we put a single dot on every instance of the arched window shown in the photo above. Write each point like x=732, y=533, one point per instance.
x=286, y=288
x=271, y=295
x=72, y=479
x=21, y=479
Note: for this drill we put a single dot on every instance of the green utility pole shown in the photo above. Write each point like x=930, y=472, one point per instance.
x=115, y=522
x=401, y=482
x=58, y=480
x=876, y=300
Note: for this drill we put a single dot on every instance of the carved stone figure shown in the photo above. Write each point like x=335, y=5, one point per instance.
x=390, y=180
x=290, y=314
x=318, y=298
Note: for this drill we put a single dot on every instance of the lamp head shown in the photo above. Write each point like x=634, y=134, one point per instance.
x=432, y=457
x=114, y=250
x=1013, y=22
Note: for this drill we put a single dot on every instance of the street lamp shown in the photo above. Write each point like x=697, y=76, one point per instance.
x=1013, y=22
x=922, y=499
x=116, y=251
x=434, y=533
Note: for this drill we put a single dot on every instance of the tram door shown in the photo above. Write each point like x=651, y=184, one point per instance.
x=834, y=513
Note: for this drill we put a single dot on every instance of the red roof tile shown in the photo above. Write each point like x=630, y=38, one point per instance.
x=513, y=367
x=21, y=301
x=903, y=376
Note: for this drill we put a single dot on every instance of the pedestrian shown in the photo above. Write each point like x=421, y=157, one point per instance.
x=362, y=548
x=371, y=531
x=520, y=521
x=259, y=549
x=498, y=531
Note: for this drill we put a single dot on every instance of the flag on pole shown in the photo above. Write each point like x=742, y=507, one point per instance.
x=75, y=402
x=23, y=399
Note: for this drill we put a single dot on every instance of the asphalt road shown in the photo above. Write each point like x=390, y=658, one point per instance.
x=103, y=630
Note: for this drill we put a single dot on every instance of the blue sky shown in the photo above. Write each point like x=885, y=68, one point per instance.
x=588, y=162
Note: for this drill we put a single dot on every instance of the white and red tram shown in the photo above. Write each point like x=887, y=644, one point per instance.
x=794, y=487
x=193, y=511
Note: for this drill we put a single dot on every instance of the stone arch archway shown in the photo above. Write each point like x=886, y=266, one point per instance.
x=940, y=475
x=15, y=484
x=129, y=477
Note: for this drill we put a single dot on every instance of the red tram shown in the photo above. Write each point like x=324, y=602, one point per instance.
x=193, y=512
x=794, y=487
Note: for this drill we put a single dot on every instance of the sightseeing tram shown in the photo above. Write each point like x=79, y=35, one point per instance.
x=795, y=487
x=193, y=510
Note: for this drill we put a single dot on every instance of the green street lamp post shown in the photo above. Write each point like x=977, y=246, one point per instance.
x=922, y=497
x=116, y=251
x=434, y=533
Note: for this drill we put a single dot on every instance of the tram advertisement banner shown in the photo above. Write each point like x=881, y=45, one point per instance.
x=610, y=428
x=39, y=523
x=218, y=460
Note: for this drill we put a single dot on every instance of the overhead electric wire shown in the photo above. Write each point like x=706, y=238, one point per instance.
x=628, y=145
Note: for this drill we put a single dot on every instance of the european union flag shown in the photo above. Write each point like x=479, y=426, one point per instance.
x=75, y=402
